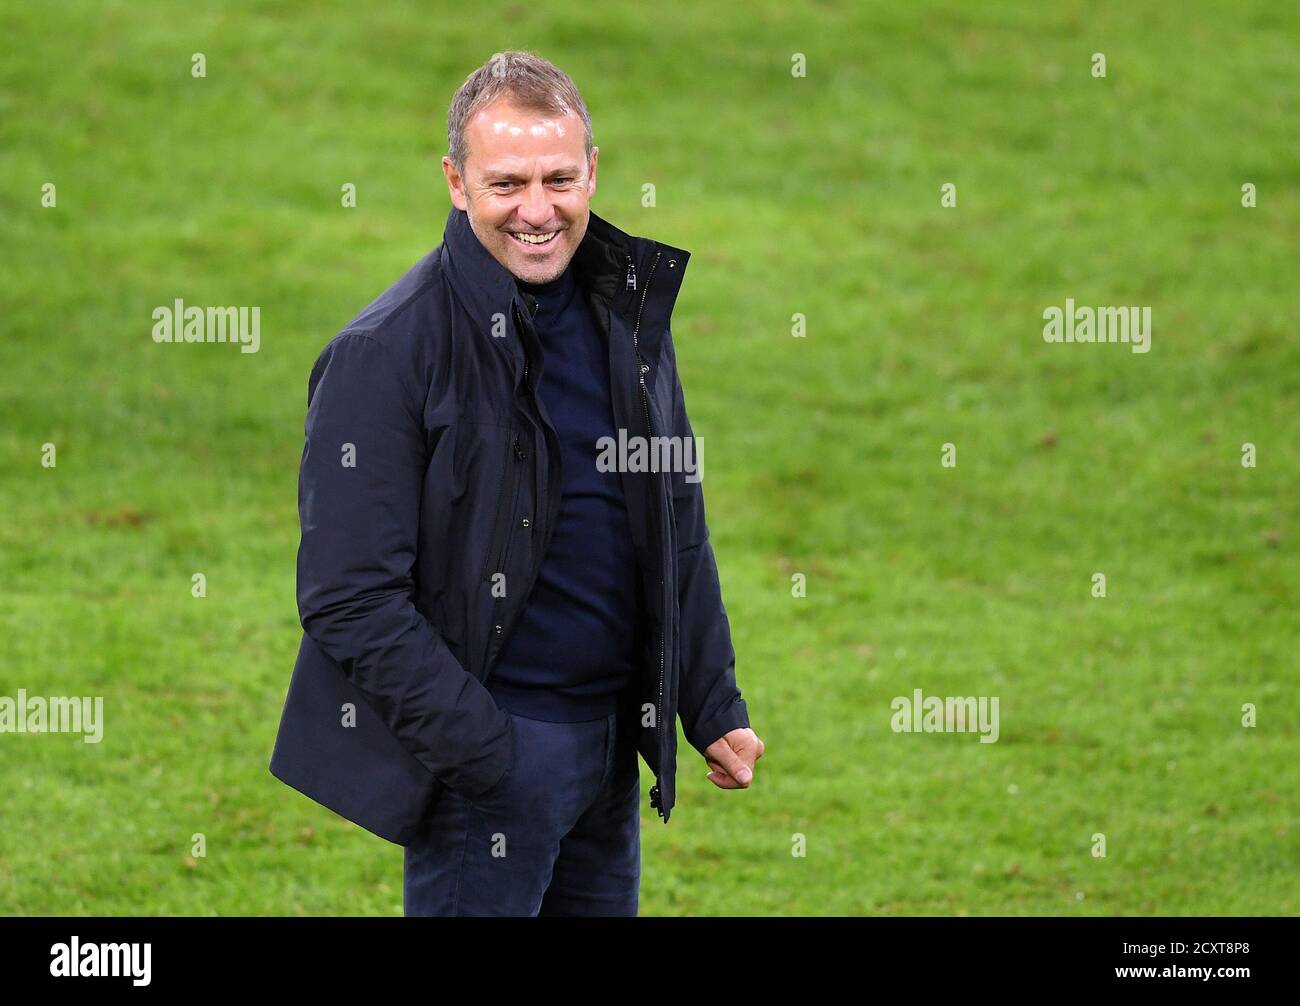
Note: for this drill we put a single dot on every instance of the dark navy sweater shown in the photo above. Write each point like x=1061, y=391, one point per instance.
x=570, y=655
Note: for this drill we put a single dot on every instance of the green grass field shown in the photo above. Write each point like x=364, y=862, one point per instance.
x=817, y=195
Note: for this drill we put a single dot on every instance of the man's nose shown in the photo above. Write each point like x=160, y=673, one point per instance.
x=535, y=206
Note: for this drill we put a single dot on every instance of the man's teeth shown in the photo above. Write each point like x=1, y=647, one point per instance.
x=534, y=239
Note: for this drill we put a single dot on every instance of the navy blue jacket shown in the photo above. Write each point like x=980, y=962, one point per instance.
x=428, y=487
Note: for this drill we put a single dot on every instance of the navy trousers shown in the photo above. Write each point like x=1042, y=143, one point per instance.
x=560, y=834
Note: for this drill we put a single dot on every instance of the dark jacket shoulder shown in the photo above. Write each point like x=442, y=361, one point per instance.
x=404, y=325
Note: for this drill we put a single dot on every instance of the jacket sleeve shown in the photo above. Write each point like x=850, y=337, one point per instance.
x=710, y=704
x=359, y=491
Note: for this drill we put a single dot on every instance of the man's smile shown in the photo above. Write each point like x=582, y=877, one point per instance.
x=533, y=241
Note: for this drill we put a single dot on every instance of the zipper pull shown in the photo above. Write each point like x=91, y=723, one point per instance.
x=631, y=274
x=519, y=451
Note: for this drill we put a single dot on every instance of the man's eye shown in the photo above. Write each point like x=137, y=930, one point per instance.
x=503, y=185
x=561, y=181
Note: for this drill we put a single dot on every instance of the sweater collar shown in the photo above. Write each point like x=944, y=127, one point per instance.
x=554, y=294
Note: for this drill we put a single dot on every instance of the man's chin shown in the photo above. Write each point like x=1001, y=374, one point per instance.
x=536, y=272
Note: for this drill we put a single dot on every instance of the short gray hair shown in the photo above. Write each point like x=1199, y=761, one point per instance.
x=529, y=80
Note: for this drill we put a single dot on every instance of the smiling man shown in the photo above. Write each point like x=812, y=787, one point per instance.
x=495, y=624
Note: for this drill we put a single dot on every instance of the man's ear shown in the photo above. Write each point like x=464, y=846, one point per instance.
x=455, y=184
x=591, y=173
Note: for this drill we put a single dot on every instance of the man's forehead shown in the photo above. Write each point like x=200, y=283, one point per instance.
x=515, y=165
x=506, y=120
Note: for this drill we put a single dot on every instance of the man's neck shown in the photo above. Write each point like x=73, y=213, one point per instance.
x=552, y=288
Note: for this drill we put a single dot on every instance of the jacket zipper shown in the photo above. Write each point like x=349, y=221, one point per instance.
x=520, y=455
x=494, y=545
x=502, y=549
x=503, y=531
x=655, y=792
x=519, y=324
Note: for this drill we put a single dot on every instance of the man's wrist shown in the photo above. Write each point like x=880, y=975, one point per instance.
x=733, y=716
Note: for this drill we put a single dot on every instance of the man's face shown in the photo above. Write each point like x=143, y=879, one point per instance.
x=525, y=174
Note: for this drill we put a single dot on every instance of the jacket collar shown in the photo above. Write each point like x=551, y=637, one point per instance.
x=611, y=263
